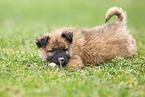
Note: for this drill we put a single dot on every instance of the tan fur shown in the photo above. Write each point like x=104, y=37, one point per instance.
x=96, y=45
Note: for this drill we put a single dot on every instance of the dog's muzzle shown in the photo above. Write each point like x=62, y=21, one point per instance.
x=59, y=58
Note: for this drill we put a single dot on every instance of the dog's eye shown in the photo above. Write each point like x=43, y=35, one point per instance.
x=65, y=49
x=51, y=51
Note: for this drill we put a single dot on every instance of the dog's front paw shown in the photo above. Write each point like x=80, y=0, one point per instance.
x=74, y=63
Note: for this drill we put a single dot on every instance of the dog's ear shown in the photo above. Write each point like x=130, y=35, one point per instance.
x=42, y=42
x=68, y=36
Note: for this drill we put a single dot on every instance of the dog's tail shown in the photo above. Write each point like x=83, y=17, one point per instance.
x=121, y=16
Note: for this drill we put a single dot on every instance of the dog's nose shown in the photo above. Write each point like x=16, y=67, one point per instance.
x=61, y=59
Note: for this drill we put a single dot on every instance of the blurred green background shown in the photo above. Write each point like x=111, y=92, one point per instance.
x=34, y=17
x=22, y=21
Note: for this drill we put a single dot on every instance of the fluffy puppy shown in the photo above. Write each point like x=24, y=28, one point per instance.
x=74, y=48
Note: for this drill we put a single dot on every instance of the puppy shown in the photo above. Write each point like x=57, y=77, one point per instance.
x=74, y=48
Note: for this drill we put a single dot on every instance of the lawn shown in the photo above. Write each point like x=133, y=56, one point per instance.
x=22, y=21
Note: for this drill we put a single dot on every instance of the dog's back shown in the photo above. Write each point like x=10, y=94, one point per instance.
x=108, y=41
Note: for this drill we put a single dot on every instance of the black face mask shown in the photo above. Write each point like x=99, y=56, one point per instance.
x=58, y=55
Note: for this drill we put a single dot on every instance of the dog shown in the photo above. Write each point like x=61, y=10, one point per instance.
x=74, y=48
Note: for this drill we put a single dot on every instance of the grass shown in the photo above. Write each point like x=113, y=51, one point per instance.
x=21, y=22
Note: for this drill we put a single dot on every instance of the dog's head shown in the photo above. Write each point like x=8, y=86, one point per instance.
x=55, y=47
